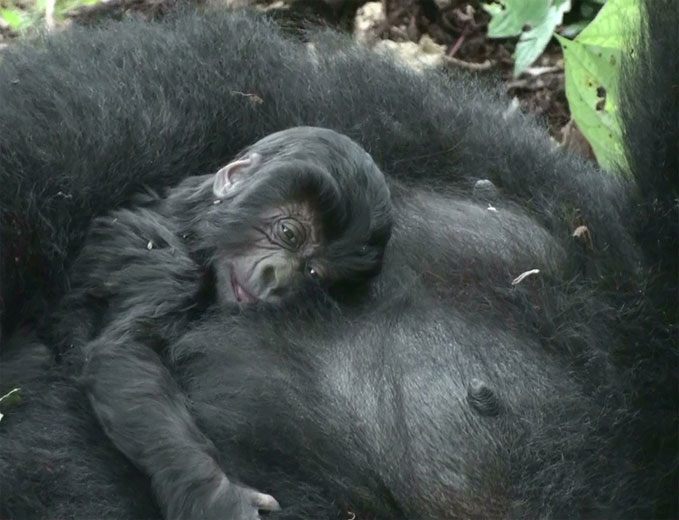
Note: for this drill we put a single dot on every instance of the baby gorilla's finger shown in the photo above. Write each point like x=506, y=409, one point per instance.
x=265, y=502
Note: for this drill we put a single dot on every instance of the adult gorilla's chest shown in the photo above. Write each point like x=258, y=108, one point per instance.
x=423, y=389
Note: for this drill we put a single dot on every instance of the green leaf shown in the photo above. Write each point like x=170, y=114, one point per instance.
x=611, y=26
x=533, y=42
x=572, y=30
x=509, y=17
x=535, y=22
x=15, y=18
x=592, y=70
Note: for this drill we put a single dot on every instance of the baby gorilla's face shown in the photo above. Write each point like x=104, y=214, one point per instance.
x=273, y=200
x=278, y=258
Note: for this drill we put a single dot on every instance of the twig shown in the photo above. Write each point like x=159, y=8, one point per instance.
x=523, y=275
x=467, y=64
x=456, y=46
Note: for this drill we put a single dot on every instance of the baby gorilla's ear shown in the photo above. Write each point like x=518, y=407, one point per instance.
x=227, y=177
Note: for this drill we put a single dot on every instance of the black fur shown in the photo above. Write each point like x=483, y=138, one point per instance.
x=144, y=274
x=205, y=100
x=378, y=410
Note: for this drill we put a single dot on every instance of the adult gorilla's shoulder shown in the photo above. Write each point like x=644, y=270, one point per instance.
x=451, y=392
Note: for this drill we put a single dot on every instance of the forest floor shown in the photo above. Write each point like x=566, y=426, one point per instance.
x=443, y=33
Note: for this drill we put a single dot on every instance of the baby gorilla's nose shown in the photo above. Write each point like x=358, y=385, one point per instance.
x=268, y=275
x=276, y=276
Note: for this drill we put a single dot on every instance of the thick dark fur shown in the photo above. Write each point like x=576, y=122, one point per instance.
x=410, y=124
x=144, y=274
x=450, y=392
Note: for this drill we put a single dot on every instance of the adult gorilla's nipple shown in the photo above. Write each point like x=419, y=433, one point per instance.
x=482, y=398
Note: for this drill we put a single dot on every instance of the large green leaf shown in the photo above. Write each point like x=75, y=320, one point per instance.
x=592, y=70
x=614, y=24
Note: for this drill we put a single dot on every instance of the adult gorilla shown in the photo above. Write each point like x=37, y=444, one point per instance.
x=452, y=392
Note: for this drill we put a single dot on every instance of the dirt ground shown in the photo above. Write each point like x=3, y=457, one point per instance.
x=448, y=33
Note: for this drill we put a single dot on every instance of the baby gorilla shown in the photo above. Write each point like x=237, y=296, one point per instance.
x=302, y=209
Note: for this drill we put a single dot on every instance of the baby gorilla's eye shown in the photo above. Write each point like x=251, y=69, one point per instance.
x=290, y=232
x=312, y=273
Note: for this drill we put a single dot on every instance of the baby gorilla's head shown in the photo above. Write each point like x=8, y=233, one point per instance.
x=301, y=206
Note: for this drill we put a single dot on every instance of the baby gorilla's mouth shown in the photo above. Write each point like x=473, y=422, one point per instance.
x=241, y=294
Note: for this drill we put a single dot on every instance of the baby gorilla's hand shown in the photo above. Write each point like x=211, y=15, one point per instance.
x=214, y=498
x=232, y=501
